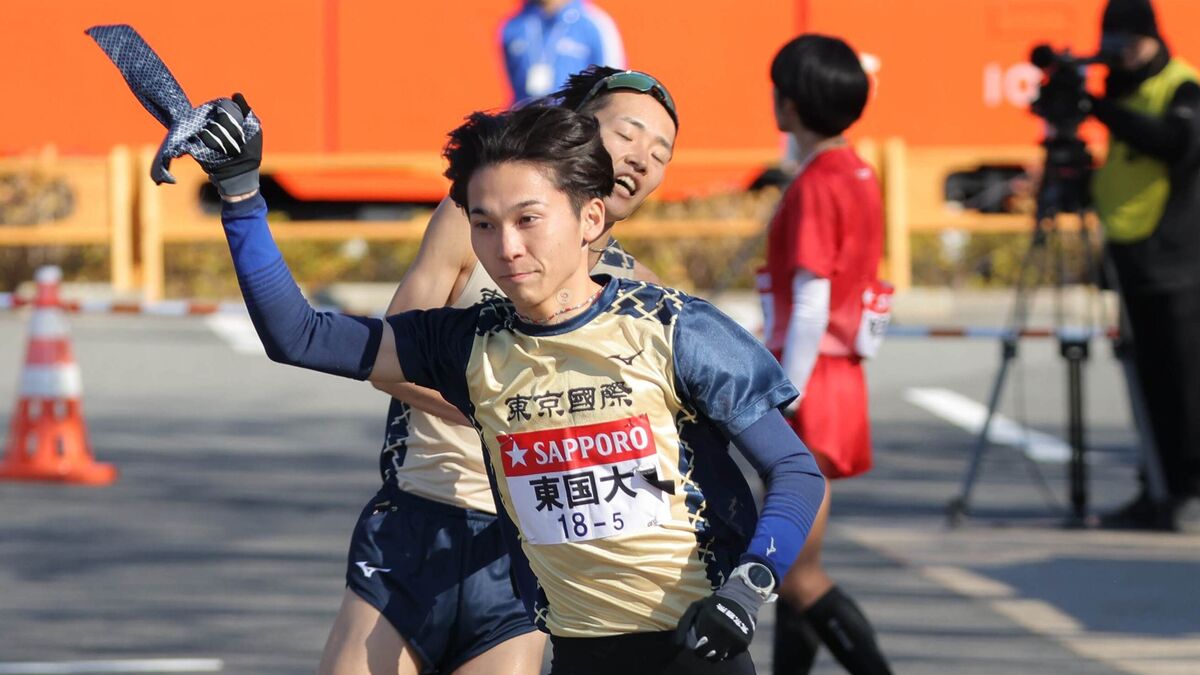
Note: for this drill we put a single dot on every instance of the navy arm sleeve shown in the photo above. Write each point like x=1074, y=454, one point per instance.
x=795, y=489
x=1169, y=138
x=731, y=378
x=290, y=329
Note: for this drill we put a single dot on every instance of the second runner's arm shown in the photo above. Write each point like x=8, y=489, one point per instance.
x=431, y=281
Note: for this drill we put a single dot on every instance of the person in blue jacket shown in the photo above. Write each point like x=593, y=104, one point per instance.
x=548, y=40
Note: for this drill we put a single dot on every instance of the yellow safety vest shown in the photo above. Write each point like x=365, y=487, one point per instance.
x=1130, y=191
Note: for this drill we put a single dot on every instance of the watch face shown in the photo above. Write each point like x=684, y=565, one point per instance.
x=760, y=576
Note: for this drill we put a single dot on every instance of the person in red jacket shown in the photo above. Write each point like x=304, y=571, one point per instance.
x=823, y=251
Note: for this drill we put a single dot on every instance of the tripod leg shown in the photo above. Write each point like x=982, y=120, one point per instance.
x=1075, y=351
x=957, y=508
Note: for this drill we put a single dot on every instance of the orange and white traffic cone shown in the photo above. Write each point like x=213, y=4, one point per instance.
x=48, y=438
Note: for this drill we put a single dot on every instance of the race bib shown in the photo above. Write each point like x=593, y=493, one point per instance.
x=767, y=302
x=876, y=315
x=585, y=482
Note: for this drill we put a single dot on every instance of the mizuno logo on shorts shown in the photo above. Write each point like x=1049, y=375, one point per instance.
x=368, y=570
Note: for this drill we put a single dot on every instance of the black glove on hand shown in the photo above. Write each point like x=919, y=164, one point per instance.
x=722, y=625
x=237, y=175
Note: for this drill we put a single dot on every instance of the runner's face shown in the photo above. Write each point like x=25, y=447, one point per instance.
x=640, y=136
x=529, y=238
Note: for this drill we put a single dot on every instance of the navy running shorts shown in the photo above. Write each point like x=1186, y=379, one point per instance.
x=439, y=574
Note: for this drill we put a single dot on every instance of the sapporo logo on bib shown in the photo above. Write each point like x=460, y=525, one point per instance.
x=584, y=482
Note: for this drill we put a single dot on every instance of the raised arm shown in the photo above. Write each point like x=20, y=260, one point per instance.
x=291, y=330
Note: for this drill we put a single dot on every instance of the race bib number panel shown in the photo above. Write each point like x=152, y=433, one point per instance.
x=584, y=482
x=876, y=316
x=762, y=283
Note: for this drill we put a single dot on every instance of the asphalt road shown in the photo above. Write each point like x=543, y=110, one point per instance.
x=225, y=536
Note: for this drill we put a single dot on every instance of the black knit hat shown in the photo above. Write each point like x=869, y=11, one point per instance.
x=1130, y=16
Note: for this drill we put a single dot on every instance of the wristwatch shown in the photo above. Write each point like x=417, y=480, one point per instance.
x=757, y=577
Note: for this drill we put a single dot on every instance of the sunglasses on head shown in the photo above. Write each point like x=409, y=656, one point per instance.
x=634, y=81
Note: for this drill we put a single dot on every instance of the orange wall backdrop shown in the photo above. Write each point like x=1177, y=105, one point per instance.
x=956, y=72
x=395, y=75
x=370, y=75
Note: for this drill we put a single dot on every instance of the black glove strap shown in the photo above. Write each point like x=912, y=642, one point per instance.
x=736, y=590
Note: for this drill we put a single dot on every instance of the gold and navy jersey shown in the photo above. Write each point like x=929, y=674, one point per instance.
x=606, y=441
x=439, y=460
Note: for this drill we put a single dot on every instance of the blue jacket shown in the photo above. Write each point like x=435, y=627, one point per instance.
x=541, y=52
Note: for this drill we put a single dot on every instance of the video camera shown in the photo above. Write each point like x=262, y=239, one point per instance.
x=1063, y=102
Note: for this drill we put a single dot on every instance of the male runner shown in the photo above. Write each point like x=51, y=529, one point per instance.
x=427, y=576
x=605, y=406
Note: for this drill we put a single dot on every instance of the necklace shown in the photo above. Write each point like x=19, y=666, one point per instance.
x=564, y=310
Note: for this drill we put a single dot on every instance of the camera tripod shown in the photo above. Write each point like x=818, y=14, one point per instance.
x=1063, y=190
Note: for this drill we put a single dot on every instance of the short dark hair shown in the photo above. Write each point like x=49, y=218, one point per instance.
x=823, y=78
x=564, y=143
x=579, y=86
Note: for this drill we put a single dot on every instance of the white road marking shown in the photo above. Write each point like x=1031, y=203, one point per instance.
x=1038, y=616
x=969, y=415
x=237, y=331
x=1137, y=654
x=966, y=582
x=113, y=666
x=1140, y=654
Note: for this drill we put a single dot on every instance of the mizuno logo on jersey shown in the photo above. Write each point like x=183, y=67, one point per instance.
x=627, y=360
x=576, y=447
x=368, y=570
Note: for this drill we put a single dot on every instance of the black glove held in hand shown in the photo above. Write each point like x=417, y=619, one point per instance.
x=224, y=133
x=721, y=625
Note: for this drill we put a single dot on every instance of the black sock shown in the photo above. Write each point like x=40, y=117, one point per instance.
x=796, y=643
x=844, y=629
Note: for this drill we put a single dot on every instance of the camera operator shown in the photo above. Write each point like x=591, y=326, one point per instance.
x=1147, y=195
